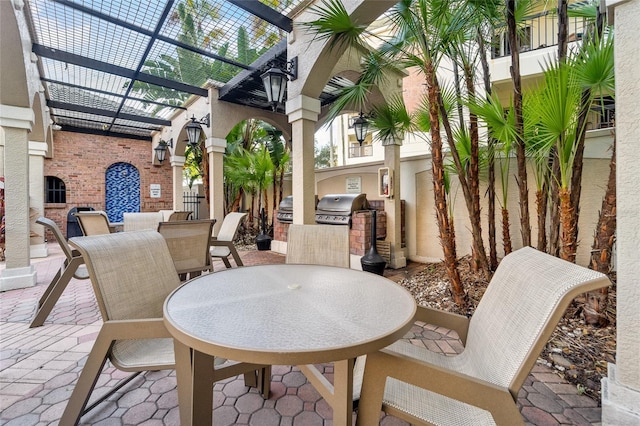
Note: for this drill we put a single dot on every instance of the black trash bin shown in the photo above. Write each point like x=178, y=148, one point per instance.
x=73, y=227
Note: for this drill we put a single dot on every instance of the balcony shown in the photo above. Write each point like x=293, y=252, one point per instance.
x=537, y=32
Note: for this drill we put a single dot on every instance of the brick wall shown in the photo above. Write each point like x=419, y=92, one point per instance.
x=81, y=161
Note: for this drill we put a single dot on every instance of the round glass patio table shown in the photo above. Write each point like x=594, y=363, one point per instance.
x=288, y=315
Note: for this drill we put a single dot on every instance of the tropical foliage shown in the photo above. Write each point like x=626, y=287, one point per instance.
x=428, y=35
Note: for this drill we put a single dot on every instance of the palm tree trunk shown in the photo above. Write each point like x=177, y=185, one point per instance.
x=506, y=235
x=480, y=257
x=491, y=190
x=476, y=228
x=205, y=171
x=525, y=222
x=440, y=197
x=541, y=204
x=604, y=238
x=562, y=30
x=235, y=206
x=554, y=207
x=569, y=244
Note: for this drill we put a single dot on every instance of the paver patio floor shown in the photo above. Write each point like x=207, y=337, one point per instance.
x=39, y=368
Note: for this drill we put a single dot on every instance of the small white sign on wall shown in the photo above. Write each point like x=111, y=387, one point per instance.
x=155, y=190
x=354, y=184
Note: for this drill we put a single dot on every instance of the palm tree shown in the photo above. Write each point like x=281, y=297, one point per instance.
x=501, y=128
x=512, y=29
x=424, y=31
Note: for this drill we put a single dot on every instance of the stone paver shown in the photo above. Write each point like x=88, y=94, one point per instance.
x=39, y=368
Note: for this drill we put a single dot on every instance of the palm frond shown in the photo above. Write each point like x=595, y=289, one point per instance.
x=391, y=119
x=336, y=27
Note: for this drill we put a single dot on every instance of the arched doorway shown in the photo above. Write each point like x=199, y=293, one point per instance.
x=122, y=191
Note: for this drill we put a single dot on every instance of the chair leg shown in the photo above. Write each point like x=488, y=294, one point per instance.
x=51, y=285
x=236, y=256
x=53, y=293
x=260, y=379
x=226, y=262
x=87, y=381
x=370, y=403
x=264, y=381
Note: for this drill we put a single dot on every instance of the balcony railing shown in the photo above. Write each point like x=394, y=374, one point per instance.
x=360, y=151
x=537, y=32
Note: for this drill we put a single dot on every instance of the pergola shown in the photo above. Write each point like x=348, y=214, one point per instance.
x=125, y=69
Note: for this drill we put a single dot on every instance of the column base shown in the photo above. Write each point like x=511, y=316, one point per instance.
x=38, y=250
x=397, y=259
x=620, y=404
x=15, y=278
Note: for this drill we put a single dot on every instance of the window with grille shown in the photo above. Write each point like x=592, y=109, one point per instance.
x=54, y=190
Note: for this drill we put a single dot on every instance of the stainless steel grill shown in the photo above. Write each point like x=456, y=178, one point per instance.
x=285, y=210
x=336, y=209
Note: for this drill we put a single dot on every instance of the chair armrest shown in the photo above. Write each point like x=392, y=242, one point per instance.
x=452, y=384
x=220, y=243
x=148, y=328
x=455, y=322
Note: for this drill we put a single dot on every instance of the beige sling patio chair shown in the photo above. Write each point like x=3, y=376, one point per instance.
x=93, y=223
x=222, y=245
x=188, y=242
x=318, y=245
x=73, y=266
x=323, y=245
x=521, y=307
x=138, y=221
x=132, y=274
x=175, y=216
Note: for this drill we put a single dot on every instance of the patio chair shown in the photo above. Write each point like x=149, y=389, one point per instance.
x=94, y=223
x=222, y=245
x=318, y=245
x=132, y=274
x=73, y=266
x=188, y=242
x=138, y=221
x=179, y=216
x=521, y=307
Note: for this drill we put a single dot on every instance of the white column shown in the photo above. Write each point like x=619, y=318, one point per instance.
x=177, y=164
x=392, y=205
x=37, y=151
x=303, y=113
x=621, y=390
x=16, y=122
x=215, y=151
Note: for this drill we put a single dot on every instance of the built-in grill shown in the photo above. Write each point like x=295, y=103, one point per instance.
x=336, y=209
x=285, y=210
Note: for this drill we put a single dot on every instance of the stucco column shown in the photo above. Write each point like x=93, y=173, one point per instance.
x=621, y=389
x=215, y=151
x=303, y=113
x=37, y=151
x=392, y=204
x=16, y=122
x=177, y=164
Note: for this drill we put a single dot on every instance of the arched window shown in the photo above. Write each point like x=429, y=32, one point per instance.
x=54, y=190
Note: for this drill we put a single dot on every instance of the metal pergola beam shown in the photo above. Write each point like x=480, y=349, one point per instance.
x=105, y=92
x=262, y=62
x=265, y=13
x=82, y=61
x=107, y=113
x=148, y=33
x=89, y=131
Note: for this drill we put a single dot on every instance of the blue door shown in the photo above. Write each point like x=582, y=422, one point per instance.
x=122, y=190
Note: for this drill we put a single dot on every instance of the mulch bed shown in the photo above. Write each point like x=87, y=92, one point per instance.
x=576, y=351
